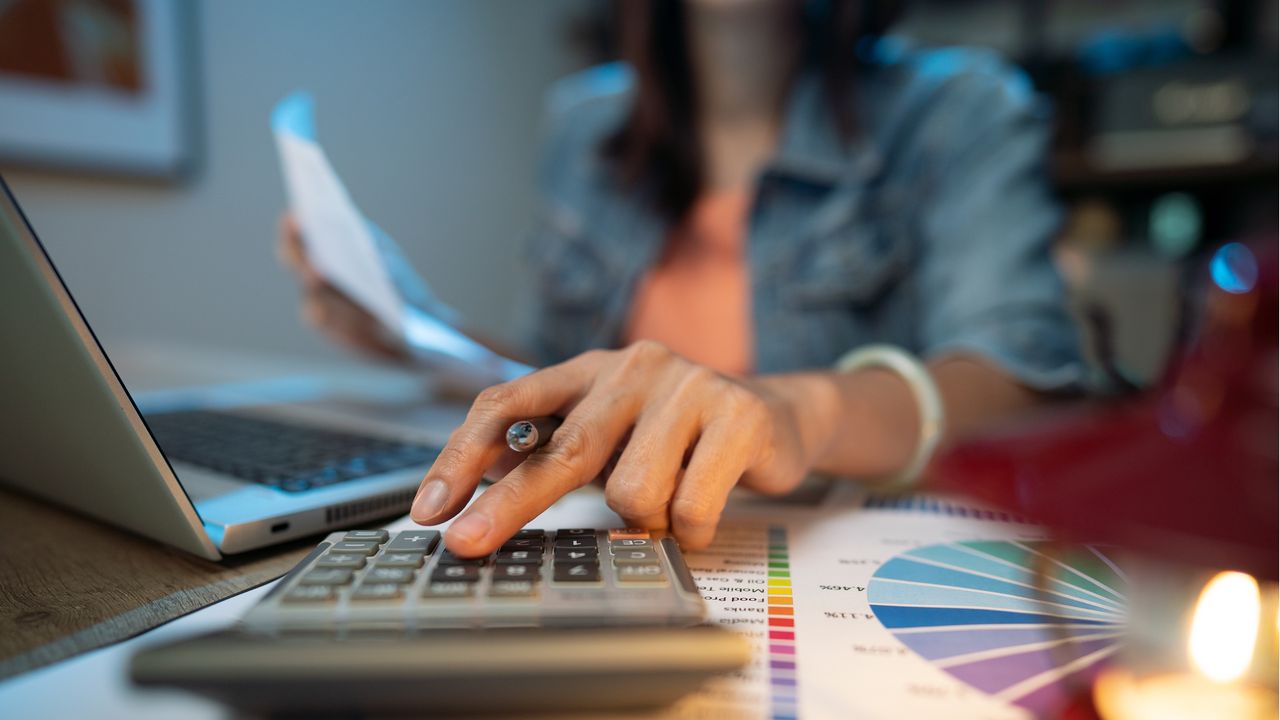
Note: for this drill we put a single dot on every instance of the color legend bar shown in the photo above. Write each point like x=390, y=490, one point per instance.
x=782, y=634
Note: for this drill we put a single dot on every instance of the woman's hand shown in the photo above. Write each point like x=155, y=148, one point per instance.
x=330, y=310
x=687, y=435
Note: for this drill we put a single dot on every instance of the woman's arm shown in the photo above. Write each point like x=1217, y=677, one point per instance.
x=866, y=424
x=687, y=435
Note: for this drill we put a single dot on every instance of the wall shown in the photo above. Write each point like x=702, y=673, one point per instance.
x=429, y=111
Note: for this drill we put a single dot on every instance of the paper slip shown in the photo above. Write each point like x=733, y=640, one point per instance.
x=353, y=254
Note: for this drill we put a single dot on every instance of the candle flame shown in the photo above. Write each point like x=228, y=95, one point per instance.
x=1224, y=627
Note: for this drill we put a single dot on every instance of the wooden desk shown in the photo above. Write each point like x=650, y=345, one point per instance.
x=69, y=584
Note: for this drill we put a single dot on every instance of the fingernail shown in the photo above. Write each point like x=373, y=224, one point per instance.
x=471, y=528
x=430, y=500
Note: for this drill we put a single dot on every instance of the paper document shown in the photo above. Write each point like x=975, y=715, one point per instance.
x=913, y=607
x=359, y=259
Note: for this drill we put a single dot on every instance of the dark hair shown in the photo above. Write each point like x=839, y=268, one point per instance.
x=657, y=149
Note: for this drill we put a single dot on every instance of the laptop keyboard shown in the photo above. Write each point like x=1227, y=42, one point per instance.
x=290, y=457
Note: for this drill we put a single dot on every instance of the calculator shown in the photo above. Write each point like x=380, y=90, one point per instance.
x=578, y=577
x=554, y=621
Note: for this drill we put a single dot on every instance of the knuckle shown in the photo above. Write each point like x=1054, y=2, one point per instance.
x=509, y=494
x=572, y=442
x=625, y=500
x=749, y=409
x=694, y=382
x=497, y=396
x=747, y=402
x=696, y=391
x=568, y=474
x=694, y=511
x=645, y=354
x=497, y=400
x=571, y=447
x=452, y=456
x=649, y=348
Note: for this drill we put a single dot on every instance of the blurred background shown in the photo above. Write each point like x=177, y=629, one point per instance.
x=163, y=216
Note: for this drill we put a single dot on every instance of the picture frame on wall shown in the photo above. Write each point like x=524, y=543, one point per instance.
x=103, y=86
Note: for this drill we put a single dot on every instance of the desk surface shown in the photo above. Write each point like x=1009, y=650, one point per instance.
x=69, y=583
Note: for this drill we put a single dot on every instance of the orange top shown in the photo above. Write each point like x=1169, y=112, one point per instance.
x=697, y=299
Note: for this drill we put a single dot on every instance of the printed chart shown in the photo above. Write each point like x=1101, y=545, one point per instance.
x=1019, y=620
x=936, y=506
x=745, y=579
x=782, y=629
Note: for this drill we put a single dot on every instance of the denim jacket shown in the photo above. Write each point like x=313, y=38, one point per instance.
x=930, y=230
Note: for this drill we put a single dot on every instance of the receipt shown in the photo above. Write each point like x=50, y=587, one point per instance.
x=362, y=261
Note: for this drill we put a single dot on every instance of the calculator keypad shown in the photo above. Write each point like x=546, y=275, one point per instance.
x=635, y=560
x=575, y=554
x=338, y=560
x=576, y=574
x=449, y=589
x=377, y=591
x=326, y=576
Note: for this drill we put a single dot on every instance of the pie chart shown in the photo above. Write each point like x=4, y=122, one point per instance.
x=1026, y=622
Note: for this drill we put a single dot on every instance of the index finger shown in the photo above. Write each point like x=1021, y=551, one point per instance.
x=575, y=454
x=481, y=439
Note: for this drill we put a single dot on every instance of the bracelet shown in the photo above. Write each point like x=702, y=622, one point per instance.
x=927, y=398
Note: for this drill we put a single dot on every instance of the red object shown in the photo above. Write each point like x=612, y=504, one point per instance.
x=1186, y=472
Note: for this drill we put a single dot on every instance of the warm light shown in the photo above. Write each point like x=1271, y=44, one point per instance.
x=1224, y=627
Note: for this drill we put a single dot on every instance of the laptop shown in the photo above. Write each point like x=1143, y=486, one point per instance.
x=211, y=478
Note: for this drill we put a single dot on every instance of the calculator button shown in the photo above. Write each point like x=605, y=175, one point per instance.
x=330, y=560
x=650, y=572
x=310, y=593
x=531, y=533
x=326, y=576
x=406, y=559
x=576, y=542
x=577, y=572
x=513, y=588
x=376, y=591
x=576, y=554
x=383, y=574
x=521, y=572
x=628, y=534
x=506, y=557
x=448, y=558
x=460, y=573
x=631, y=543
x=420, y=540
x=378, y=536
x=525, y=543
x=446, y=589
x=632, y=556
x=575, y=532
x=355, y=547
